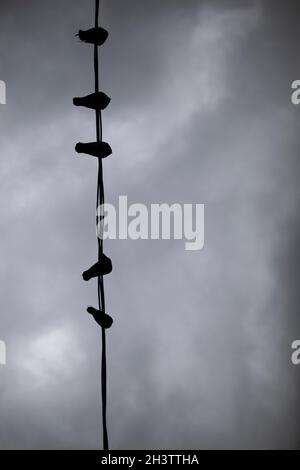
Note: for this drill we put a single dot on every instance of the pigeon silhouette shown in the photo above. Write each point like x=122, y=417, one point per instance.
x=103, y=320
x=97, y=101
x=101, y=268
x=96, y=36
x=95, y=149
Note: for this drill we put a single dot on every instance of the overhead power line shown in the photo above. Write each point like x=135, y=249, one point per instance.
x=98, y=101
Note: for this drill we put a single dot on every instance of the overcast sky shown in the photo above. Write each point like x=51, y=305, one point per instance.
x=199, y=353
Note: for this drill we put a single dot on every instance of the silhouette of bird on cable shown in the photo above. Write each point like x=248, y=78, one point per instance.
x=96, y=36
x=101, y=268
x=98, y=101
x=95, y=149
x=103, y=320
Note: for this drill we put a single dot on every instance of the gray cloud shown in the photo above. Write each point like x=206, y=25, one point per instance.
x=199, y=356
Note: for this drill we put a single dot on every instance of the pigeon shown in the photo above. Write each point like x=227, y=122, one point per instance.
x=103, y=320
x=96, y=149
x=101, y=268
x=96, y=36
x=97, y=101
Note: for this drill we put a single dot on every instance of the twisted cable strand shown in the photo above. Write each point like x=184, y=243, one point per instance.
x=100, y=202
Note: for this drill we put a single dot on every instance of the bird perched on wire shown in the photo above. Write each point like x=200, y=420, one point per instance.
x=96, y=36
x=103, y=320
x=95, y=149
x=97, y=101
x=101, y=268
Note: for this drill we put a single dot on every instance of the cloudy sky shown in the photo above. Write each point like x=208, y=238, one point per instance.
x=199, y=354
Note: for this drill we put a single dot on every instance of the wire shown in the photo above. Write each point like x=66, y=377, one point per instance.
x=100, y=203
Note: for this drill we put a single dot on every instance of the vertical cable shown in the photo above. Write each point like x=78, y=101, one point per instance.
x=100, y=202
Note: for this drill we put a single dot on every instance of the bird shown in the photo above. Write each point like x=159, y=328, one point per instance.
x=98, y=101
x=103, y=320
x=96, y=36
x=95, y=149
x=101, y=268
